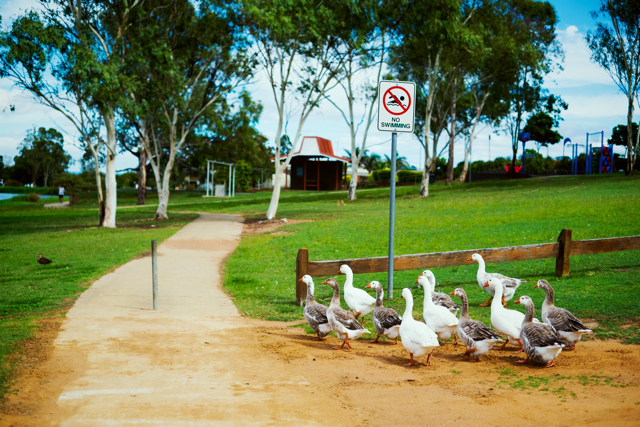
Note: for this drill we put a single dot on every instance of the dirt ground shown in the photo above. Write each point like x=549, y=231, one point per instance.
x=183, y=368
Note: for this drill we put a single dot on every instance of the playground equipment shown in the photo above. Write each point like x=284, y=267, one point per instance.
x=605, y=163
x=211, y=164
x=524, y=137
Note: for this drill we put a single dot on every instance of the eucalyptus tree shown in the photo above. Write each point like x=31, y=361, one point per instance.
x=299, y=49
x=68, y=55
x=422, y=36
x=616, y=48
x=536, y=52
x=189, y=58
x=365, y=51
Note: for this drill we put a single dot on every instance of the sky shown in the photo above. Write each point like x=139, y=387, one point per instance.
x=595, y=103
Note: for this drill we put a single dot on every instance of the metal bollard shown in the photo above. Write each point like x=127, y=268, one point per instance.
x=154, y=268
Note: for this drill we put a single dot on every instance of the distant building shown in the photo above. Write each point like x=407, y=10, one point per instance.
x=314, y=166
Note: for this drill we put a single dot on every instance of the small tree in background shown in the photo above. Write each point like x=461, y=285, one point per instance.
x=616, y=48
x=42, y=155
x=620, y=135
x=540, y=127
x=243, y=175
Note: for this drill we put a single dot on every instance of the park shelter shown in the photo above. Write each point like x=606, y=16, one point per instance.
x=315, y=167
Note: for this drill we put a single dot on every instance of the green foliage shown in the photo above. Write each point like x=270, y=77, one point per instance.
x=243, y=175
x=41, y=157
x=127, y=180
x=409, y=176
x=540, y=127
x=13, y=183
x=619, y=135
x=32, y=197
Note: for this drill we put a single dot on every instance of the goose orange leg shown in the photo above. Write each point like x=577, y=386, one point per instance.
x=521, y=347
x=573, y=347
x=374, y=341
x=486, y=303
x=504, y=302
x=412, y=362
x=429, y=358
x=551, y=364
x=346, y=341
x=456, y=339
x=523, y=361
x=318, y=335
x=503, y=344
x=396, y=341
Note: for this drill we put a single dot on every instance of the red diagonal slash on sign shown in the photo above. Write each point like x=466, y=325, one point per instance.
x=404, y=110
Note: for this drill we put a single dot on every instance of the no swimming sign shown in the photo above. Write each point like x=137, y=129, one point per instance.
x=396, y=106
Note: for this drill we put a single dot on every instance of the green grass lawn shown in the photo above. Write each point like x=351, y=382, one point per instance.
x=603, y=287
x=81, y=253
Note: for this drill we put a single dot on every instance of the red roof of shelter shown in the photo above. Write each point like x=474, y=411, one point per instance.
x=315, y=146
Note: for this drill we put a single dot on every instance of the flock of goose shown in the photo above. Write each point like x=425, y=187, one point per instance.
x=541, y=342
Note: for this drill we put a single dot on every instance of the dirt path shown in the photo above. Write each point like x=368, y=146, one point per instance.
x=197, y=362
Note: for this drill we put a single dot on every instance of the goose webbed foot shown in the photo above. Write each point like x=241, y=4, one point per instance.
x=412, y=363
x=486, y=303
x=551, y=364
x=573, y=347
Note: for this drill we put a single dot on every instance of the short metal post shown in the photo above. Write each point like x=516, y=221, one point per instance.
x=392, y=212
x=154, y=268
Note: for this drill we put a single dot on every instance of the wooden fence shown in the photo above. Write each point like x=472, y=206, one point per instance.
x=561, y=251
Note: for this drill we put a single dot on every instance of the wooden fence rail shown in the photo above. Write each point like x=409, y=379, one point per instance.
x=561, y=251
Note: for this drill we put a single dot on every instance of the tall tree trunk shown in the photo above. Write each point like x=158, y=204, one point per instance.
x=428, y=160
x=353, y=184
x=630, y=151
x=275, y=196
x=142, y=175
x=465, y=169
x=512, y=173
x=163, y=186
x=96, y=161
x=449, y=180
x=110, y=178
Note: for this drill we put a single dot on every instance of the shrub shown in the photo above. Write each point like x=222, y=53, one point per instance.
x=13, y=183
x=32, y=197
x=409, y=176
x=243, y=176
x=383, y=175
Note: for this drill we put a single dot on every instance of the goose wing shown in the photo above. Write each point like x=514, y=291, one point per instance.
x=317, y=312
x=563, y=320
x=388, y=317
x=540, y=335
x=508, y=282
x=346, y=319
x=443, y=300
x=477, y=330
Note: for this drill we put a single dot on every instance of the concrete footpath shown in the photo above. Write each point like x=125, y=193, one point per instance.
x=192, y=363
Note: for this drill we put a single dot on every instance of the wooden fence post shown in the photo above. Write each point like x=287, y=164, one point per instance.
x=563, y=261
x=302, y=268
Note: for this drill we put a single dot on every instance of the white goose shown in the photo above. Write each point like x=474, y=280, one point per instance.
x=440, y=298
x=358, y=300
x=341, y=321
x=507, y=322
x=417, y=338
x=540, y=341
x=509, y=284
x=439, y=319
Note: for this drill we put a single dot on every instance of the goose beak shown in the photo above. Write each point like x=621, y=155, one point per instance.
x=421, y=275
x=416, y=281
x=486, y=285
x=402, y=296
x=299, y=280
x=452, y=293
x=517, y=301
x=325, y=282
x=469, y=259
x=368, y=286
x=536, y=285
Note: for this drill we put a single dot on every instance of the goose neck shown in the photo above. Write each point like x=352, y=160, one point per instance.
x=549, y=298
x=496, y=304
x=465, y=306
x=349, y=282
x=530, y=311
x=408, y=310
x=379, y=297
x=335, y=300
x=481, y=267
x=310, y=293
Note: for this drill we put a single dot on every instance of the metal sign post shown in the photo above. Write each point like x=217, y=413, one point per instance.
x=396, y=108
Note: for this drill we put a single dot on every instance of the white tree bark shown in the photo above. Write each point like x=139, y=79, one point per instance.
x=111, y=199
x=433, y=75
x=479, y=107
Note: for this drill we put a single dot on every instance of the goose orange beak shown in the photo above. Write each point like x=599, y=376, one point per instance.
x=517, y=301
x=368, y=286
x=536, y=285
x=416, y=281
x=299, y=280
x=486, y=285
x=325, y=282
x=469, y=259
x=452, y=293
